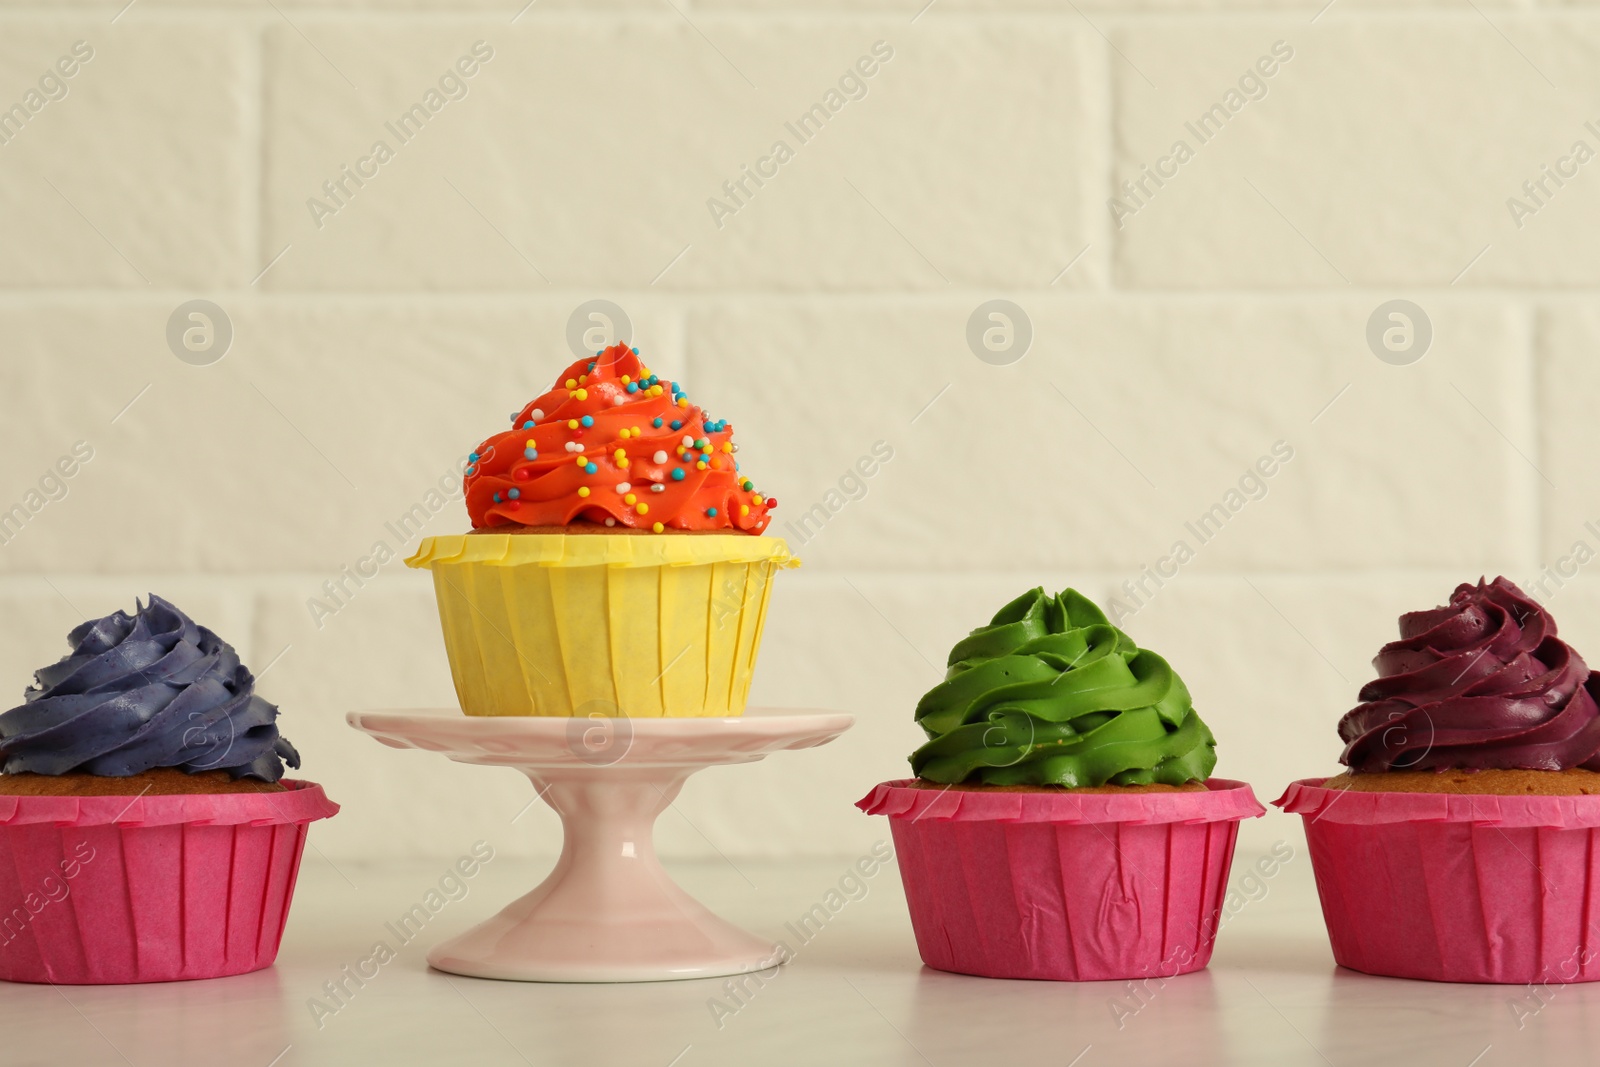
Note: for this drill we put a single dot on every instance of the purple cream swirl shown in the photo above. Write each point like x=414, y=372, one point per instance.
x=1483, y=682
x=152, y=689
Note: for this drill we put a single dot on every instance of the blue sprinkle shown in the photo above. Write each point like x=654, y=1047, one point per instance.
x=590, y=468
x=636, y=351
x=528, y=425
x=530, y=453
x=497, y=498
x=471, y=471
x=598, y=352
x=587, y=420
x=633, y=387
x=515, y=493
x=473, y=456
x=656, y=422
x=676, y=425
x=674, y=388
x=711, y=513
x=677, y=474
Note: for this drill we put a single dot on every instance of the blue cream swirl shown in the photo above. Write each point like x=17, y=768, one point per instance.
x=152, y=689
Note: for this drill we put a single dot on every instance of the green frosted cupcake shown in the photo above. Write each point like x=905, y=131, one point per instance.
x=1049, y=693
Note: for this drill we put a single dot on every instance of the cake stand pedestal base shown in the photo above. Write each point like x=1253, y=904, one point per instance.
x=609, y=912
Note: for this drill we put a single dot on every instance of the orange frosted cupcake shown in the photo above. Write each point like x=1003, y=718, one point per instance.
x=544, y=614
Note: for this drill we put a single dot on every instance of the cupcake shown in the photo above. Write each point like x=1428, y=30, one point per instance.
x=1063, y=823
x=146, y=828
x=1456, y=846
x=616, y=563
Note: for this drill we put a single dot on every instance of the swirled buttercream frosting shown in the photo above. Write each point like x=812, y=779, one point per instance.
x=613, y=444
x=1050, y=693
x=142, y=691
x=1482, y=682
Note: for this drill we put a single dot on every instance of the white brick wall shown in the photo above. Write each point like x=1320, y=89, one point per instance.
x=1227, y=312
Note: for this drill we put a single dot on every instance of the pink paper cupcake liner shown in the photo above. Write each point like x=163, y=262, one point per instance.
x=1064, y=886
x=1456, y=888
x=103, y=890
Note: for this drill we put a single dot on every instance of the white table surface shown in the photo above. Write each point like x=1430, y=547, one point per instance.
x=856, y=994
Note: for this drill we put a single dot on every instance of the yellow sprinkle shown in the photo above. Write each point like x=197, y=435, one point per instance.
x=681, y=450
x=655, y=390
x=706, y=450
x=583, y=490
x=727, y=446
x=530, y=444
x=658, y=527
x=624, y=379
x=582, y=378
x=572, y=383
x=700, y=465
x=636, y=432
x=643, y=509
x=744, y=509
x=623, y=434
x=756, y=500
x=622, y=463
x=630, y=499
x=683, y=401
x=572, y=424
x=620, y=454
x=581, y=461
x=582, y=394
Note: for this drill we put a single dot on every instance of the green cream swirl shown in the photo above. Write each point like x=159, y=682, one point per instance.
x=1050, y=693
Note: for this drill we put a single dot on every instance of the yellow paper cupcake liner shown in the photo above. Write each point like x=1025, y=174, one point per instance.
x=550, y=624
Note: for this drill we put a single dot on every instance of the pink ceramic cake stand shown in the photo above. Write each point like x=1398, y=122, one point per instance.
x=608, y=912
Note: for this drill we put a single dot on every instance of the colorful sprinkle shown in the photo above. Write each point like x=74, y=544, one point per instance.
x=582, y=394
x=677, y=474
x=747, y=485
x=473, y=456
x=536, y=414
x=611, y=522
x=528, y=425
x=618, y=400
x=701, y=465
x=471, y=471
x=515, y=493
x=677, y=424
x=580, y=458
x=642, y=508
x=756, y=500
x=530, y=453
x=636, y=351
x=572, y=383
x=657, y=423
x=744, y=509
x=660, y=456
x=658, y=528
x=633, y=387
x=623, y=487
x=630, y=499
x=658, y=488
x=572, y=424
x=587, y=420
x=583, y=490
x=521, y=474
x=497, y=498
x=590, y=468
x=711, y=513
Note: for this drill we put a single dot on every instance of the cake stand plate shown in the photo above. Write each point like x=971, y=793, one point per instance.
x=608, y=912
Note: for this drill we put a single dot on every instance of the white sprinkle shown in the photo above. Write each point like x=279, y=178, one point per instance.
x=658, y=489
x=611, y=522
x=623, y=487
x=660, y=457
x=536, y=414
x=618, y=400
x=688, y=442
x=570, y=445
x=577, y=447
x=736, y=446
